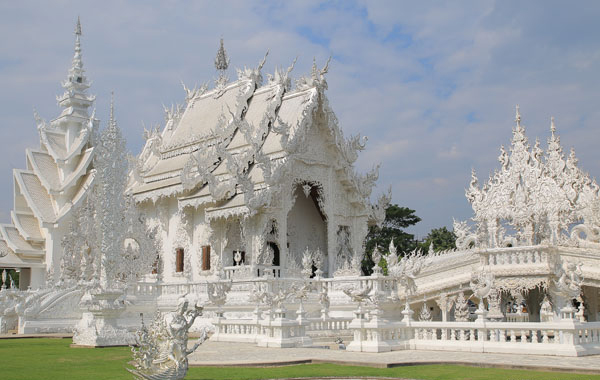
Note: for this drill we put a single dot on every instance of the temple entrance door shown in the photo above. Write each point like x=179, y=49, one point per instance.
x=307, y=226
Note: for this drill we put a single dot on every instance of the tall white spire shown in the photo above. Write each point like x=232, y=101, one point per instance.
x=76, y=71
x=76, y=84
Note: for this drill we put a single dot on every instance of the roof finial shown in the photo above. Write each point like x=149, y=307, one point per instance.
x=552, y=126
x=78, y=27
x=111, y=119
x=518, y=117
x=77, y=63
x=221, y=60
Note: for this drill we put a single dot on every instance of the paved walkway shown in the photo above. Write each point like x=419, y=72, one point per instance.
x=52, y=335
x=247, y=354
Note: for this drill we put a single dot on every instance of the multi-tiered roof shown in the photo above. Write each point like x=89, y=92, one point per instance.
x=227, y=149
x=57, y=176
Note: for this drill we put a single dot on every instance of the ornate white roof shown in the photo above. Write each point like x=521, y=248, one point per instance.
x=535, y=196
x=230, y=145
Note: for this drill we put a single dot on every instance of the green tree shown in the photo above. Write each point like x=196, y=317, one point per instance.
x=441, y=238
x=396, y=219
x=11, y=273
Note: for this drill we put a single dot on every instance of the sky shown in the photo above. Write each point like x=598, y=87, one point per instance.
x=433, y=84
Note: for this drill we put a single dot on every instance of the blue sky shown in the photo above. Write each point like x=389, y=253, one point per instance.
x=432, y=84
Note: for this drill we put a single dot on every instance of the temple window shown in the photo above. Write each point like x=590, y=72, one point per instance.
x=179, y=260
x=206, y=257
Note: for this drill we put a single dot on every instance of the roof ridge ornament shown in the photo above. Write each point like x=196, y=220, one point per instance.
x=221, y=64
x=316, y=78
x=221, y=60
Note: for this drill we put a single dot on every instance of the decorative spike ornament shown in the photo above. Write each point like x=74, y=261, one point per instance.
x=221, y=64
x=221, y=60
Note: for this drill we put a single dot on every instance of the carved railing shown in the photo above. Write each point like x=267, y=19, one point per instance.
x=564, y=338
x=237, y=330
x=517, y=317
x=329, y=324
x=533, y=255
x=257, y=271
x=144, y=289
x=175, y=289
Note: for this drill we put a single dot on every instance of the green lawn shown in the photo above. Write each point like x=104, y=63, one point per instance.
x=39, y=359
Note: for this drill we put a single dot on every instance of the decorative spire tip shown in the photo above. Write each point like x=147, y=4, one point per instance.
x=518, y=116
x=552, y=126
x=221, y=60
x=78, y=27
x=112, y=108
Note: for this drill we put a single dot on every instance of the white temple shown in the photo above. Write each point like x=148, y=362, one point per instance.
x=251, y=193
x=258, y=170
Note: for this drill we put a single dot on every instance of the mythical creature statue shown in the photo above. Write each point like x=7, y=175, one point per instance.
x=465, y=238
x=481, y=285
x=376, y=256
x=461, y=308
x=358, y=295
x=217, y=293
x=163, y=352
x=406, y=270
x=567, y=286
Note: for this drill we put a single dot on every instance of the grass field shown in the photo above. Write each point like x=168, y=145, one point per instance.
x=41, y=359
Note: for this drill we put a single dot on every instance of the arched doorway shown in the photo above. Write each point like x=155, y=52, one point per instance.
x=307, y=224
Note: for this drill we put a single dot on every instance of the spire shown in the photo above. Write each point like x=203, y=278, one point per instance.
x=221, y=60
x=552, y=126
x=518, y=117
x=111, y=119
x=77, y=66
x=76, y=84
x=78, y=27
x=221, y=64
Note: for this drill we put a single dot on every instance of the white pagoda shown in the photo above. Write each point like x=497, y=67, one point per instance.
x=57, y=177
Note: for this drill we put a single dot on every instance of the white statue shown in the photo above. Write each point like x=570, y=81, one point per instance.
x=217, y=294
x=163, y=352
x=425, y=314
x=406, y=270
x=481, y=285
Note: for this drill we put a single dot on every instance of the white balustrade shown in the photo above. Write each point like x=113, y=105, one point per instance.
x=516, y=256
x=237, y=330
x=565, y=338
x=329, y=324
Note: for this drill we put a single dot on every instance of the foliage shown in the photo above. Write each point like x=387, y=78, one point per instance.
x=441, y=238
x=396, y=218
x=54, y=359
x=11, y=273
